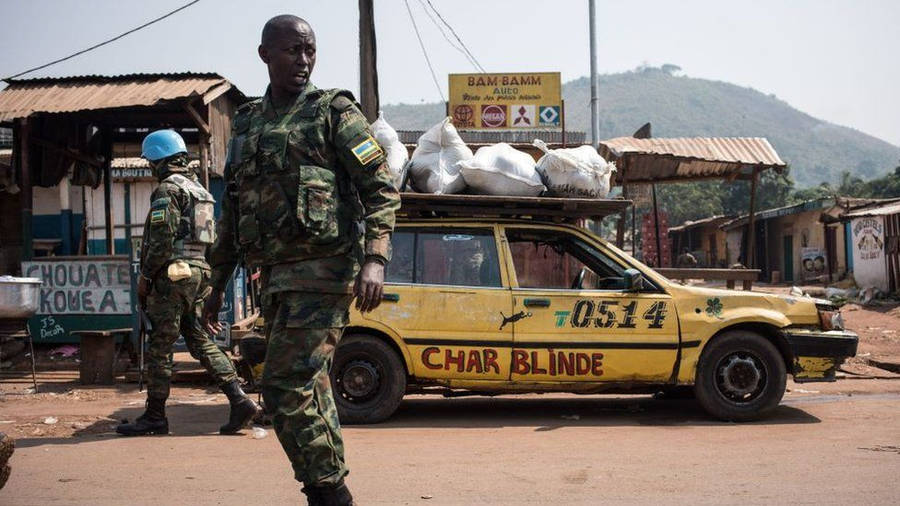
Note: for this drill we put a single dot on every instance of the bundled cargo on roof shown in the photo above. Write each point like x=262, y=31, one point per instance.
x=574, y=172
x=433, y=166
x=443, y=164
x=394, y=150
x=500, y=169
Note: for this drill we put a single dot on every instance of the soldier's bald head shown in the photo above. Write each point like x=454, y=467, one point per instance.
x=284, y=24
x=288, y=48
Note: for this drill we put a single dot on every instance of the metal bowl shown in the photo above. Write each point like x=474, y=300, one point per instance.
x=19, y=297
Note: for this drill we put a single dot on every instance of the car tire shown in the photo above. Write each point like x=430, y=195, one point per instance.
x=368, y=379
x=741, y=377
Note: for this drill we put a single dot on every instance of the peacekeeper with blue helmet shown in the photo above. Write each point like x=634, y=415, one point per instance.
x=174, y=282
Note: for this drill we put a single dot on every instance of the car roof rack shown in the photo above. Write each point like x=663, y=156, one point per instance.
x=427, y=205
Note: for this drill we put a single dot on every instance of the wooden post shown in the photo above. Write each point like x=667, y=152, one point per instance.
x=562, y=121
x=659, y=262
x=620, y=226
x=751, y=222
x=26, y=198
x=203, y=143
x=368, y=69
x=107, y=191
x=202, y=140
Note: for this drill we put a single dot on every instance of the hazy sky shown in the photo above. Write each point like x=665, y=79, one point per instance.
x=836, y=60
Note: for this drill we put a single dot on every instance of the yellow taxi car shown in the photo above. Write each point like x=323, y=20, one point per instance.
x=496, y=305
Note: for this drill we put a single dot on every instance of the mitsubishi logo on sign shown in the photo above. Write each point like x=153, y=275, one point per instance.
x=523, y=115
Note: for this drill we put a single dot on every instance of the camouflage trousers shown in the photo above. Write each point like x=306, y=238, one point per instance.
x=174, y=308
x=303, y=330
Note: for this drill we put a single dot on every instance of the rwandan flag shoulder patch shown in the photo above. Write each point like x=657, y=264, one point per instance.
x=367, y=150
x=158, y=216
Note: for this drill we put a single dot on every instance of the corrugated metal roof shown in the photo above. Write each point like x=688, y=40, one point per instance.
x=809, y=205
x=25, y=97
x=711, y=221
x=882, y=210
x=661, y=159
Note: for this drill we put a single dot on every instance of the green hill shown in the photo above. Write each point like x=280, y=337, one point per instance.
x=680, y=106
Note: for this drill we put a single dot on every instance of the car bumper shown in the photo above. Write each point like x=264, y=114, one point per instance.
x=817, y=354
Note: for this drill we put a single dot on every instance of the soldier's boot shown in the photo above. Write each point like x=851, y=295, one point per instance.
x=153, y=421
x=243, y=409
x=328, y=495
x=7, y=447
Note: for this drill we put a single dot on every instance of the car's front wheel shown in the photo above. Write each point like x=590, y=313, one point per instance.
x=741, y=376
x=368, y=379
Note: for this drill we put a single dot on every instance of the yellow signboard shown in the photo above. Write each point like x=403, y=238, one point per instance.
x=522, y=100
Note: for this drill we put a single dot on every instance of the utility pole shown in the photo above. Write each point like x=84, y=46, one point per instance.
x=368, y=70
x=595, y=99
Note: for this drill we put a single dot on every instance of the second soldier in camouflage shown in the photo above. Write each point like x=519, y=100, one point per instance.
x=174, y=282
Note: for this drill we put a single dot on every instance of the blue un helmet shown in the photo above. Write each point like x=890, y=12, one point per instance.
x=162, y=144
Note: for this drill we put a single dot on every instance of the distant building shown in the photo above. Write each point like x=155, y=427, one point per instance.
x=704, y=239
x=873, y=244
x=804, y=242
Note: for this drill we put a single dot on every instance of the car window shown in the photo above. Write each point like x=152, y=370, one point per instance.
x=400, y=269
x=463, y=257
x=554, y=260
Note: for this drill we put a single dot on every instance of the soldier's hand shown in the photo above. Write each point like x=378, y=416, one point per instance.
x=369, y=286
x=211, y=307
x=143, y=290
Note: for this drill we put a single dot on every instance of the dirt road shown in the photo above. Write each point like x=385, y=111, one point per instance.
x=827, y=444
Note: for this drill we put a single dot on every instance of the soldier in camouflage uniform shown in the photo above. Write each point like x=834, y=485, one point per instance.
x=174, y=281
x=303, y=171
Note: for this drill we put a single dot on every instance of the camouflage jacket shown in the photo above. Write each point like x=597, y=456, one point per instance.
x=167, y=227
x=297, y=183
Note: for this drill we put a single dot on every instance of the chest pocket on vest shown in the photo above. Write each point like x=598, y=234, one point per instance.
x=317, y=204
x=246, y=174
x=281, y=200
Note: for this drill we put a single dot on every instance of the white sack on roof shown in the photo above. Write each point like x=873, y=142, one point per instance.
x=394, y=150
x=500, y=169
x=433, y=166
x=574, y=172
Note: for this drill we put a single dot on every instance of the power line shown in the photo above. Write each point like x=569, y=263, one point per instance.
x=444, y=33
x=145, y=25
x=424, y=52
x=456, y=36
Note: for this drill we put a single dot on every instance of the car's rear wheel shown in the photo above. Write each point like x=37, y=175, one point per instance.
x=740, y=377
x=368, y=379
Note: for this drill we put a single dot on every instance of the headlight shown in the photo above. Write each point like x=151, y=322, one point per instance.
x=831, y=320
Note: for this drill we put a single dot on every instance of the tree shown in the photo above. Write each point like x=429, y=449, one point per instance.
x=670, y=68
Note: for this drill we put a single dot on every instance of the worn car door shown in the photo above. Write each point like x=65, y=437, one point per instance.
x=574, y=321
x=445, y=294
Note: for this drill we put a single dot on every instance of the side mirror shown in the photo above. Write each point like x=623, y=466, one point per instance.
x=634, y=280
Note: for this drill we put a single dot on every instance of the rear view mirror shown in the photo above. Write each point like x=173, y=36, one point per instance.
x=634, y=280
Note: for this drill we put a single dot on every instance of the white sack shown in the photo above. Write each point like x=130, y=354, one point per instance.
x=394, y=150
x=433, y=166
x=574, y=172
x=500, y=169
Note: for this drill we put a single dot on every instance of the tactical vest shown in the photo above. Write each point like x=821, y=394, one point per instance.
x=197, y=227
x=294, y=201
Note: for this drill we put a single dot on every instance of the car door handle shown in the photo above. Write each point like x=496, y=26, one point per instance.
x=536, y=302
x=391, y=297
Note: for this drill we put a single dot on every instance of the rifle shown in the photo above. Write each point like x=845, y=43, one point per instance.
x=146, y=327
